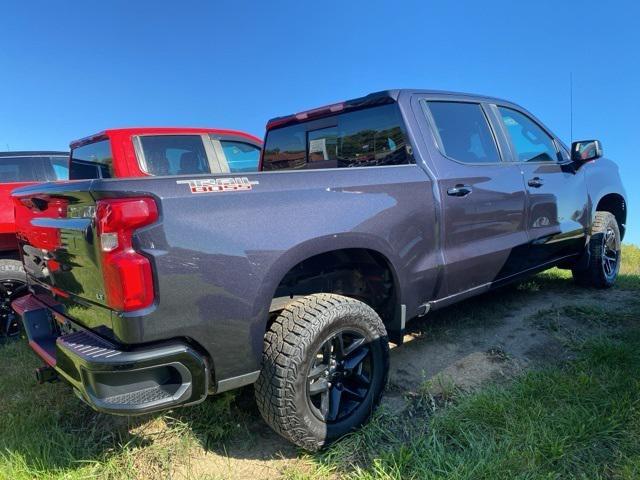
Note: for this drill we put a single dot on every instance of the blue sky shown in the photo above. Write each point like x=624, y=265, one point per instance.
x=69, y=69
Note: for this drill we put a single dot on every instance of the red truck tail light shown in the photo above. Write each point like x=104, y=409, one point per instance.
x=128, y=280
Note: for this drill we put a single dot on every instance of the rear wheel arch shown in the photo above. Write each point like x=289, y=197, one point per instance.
x=342, y=271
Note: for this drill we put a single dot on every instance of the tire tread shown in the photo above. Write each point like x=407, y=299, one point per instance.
x=295, y=328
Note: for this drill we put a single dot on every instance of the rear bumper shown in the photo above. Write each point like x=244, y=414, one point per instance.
x=110, y=379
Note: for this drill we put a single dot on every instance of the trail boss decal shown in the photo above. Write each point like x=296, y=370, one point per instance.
x=212, y=185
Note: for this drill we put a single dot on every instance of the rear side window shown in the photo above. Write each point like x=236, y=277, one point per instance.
x=30, y=168
x=174, y=155
x=462, y=132
x=240, y=156
x=364, y=138
x=93, y=160
x=530, y=141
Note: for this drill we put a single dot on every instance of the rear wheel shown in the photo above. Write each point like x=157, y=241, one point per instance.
x=325, y=365
x=605, y=247
x=13, y=284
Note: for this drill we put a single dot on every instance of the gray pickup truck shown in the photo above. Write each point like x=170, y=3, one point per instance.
x=147, y=294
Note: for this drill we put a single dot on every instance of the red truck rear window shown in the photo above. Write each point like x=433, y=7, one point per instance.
x=93, y=160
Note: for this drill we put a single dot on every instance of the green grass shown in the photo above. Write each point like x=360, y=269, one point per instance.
x=572, y=420
x=46, y=432
x=629, y=277
x=579, y=420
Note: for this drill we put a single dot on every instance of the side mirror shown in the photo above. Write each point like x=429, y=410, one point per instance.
x=586, y=150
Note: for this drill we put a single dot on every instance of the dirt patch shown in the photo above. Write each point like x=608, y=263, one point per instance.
x=525, y=337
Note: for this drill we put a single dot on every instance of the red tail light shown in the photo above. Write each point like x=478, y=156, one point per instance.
x=128, y=278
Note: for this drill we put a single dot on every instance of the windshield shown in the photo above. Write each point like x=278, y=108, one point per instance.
x=34, y=168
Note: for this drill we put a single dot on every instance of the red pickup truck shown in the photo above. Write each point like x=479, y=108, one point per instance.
x=113, y=153
x=18, y=169
x=151, y=151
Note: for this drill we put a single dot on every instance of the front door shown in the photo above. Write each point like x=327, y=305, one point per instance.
x=483, y=199
x=557, y=208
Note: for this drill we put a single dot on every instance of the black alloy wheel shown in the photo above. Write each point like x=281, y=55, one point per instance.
x=610, y=253
x=340, y=377
x=10, y=289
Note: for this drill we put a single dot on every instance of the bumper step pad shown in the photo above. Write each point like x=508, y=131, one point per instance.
x=113, y=379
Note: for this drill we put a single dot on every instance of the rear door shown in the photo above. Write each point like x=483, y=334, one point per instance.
x=482, y=197
x=557, y=208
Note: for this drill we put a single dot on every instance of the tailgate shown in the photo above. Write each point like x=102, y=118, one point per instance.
x=57, y=237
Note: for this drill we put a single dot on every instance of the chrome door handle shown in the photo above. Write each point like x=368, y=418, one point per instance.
x=459, y=191
x=535, y=182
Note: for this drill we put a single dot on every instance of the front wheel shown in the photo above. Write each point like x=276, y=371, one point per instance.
x=325, y=365
x=605, y=249
x=13, y=283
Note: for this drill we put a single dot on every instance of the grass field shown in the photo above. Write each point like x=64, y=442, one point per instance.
x=572, y=417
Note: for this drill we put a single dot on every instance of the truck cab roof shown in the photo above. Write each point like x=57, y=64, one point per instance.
x=34, y=153
x=375, y=98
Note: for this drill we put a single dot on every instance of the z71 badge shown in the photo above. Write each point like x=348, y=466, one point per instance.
x=212, y=185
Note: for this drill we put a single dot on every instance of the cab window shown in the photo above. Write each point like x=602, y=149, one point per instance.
x=174, y=155
x=463, y=133
x=33, y=168
x=240, y=156
x=370, y=137
x=530, y=142
x=93, y=160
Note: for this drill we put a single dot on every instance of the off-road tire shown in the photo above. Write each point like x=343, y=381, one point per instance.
x=290, y=348
x=595, y=273
x=11, y=274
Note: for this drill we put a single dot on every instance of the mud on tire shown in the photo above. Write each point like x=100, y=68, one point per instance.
x=325, y=365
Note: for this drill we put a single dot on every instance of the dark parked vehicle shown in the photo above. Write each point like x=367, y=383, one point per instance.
x=153, y=293
x=18, y=169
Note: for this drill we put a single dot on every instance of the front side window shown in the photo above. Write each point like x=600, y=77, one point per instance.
x=32, y=168
x=174, y=155
x=240, y=156
x=463, y=133
x=530, y=141
x=93, y=160
x=372, y=136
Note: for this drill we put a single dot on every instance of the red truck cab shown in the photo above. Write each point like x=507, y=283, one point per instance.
x=160, y=151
